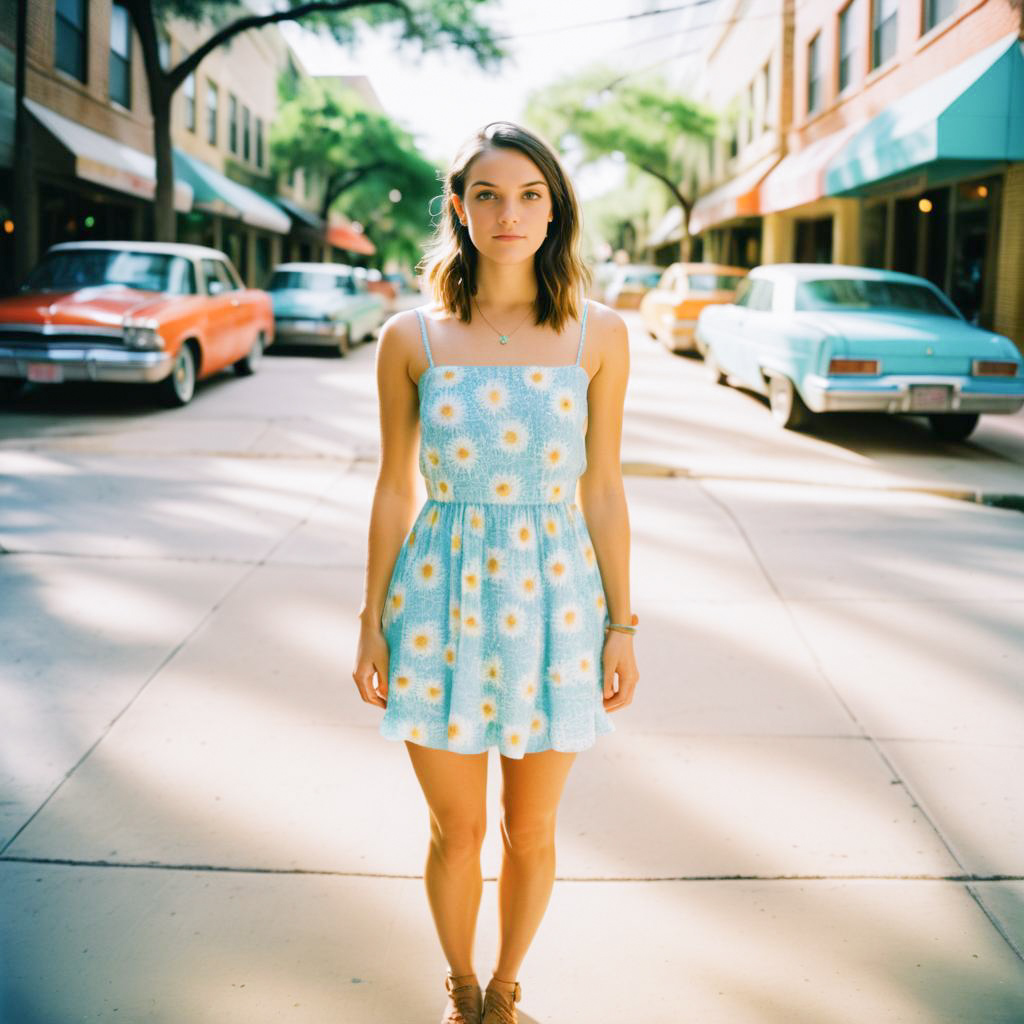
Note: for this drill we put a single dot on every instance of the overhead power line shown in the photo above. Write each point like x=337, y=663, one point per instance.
x=621, y=19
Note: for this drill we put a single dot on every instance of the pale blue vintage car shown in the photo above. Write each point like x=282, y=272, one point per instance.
x=324, y=304
x=819, y=338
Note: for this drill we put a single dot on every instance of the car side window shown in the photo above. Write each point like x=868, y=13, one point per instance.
x=761, y=296
x=224, y=276
x=743, y=293
x=229, y=268
x=211, y=279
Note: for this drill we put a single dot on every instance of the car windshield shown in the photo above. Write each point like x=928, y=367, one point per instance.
x=713, y=282
x=647, y=278
x=869, y=295
x=310, y=281
x=69, y=270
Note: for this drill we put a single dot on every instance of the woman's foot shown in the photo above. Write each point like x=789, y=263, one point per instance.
x=465, y=1000
x=500, y=998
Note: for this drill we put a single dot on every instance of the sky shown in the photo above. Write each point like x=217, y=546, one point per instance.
x=442, y=98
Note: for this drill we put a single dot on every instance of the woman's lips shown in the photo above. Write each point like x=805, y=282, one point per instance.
x=509, y=238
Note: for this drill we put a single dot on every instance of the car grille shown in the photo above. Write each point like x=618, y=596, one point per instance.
x=58, y=337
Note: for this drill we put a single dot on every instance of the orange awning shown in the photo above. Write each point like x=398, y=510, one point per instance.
x=736, y=198
x=344, y=237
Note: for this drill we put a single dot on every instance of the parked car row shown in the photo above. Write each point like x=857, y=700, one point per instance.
x=170, y=314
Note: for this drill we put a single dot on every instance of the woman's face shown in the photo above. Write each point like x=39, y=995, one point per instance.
x=506, y=205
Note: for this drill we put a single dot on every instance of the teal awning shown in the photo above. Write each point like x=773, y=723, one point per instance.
x=967, y=118
x=217, y=193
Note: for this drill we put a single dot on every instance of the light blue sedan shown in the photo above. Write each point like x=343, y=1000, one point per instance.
x=323, y=304
x=819, y=338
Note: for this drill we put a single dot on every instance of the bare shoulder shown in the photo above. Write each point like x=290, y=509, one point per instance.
x=607, y=332
x=398, y=344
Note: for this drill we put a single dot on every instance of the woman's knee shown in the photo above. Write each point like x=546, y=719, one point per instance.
x=525, y=836
x=458, y=838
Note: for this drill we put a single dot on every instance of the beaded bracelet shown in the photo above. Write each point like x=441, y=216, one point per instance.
x=623, y=628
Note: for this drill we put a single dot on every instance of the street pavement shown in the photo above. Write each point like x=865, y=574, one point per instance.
x=812, y=813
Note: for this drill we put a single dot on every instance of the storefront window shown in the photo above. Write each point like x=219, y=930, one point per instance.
x=974, y=246
x=814, y=240
x=874, y=225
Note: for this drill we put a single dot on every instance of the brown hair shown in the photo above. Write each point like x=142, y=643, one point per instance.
x=451, y=258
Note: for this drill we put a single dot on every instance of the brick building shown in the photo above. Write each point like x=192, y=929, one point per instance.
x=902, y=146
x=93, y=174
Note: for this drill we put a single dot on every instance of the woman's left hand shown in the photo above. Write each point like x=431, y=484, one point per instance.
x=618, y=660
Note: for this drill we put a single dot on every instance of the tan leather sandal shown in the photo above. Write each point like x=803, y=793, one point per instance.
x=465, y=1000
x=500, y=998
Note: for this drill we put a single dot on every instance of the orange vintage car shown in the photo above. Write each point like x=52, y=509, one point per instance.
x=166, y=314
x=670, y=310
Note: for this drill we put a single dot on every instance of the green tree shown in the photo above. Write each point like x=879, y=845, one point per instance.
x=428, y=24
x=653, y=128
x=360, y=155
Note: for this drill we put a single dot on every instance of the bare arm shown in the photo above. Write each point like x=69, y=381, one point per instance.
x=603, y=498
x=394, y=498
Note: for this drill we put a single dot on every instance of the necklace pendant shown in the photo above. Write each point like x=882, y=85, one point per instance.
x=503, y=338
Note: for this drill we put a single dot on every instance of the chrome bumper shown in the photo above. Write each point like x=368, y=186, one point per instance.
x=309, y=332
x=893, y=395
x=88, y=362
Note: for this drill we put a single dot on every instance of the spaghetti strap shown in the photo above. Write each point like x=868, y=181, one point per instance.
x=423, y=333
x=583, y=331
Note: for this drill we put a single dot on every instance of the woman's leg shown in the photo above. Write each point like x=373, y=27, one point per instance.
x=532, y=787
x=455, y=786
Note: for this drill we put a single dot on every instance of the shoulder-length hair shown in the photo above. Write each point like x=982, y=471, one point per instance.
x=450, y=261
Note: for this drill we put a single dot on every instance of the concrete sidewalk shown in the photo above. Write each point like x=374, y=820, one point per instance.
x=812, y=813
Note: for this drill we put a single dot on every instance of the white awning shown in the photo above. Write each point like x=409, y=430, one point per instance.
x=105, y=161
x=668, y=229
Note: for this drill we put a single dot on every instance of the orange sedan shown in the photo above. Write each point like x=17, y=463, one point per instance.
x=136, y=312
x=670, y=310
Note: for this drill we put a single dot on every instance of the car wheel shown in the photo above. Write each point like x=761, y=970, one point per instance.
x=955, y=426
x=788, y=408
x=345, y=341
x=180, y=386
x=714, y=371
x=249, y=363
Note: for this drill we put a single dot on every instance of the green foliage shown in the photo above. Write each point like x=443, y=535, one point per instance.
x=652, y=127
x=361, y=154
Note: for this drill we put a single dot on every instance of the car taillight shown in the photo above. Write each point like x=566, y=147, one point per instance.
x=993, y=368
x=853, y=366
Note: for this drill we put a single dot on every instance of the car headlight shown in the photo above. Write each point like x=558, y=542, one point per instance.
x=142, y=334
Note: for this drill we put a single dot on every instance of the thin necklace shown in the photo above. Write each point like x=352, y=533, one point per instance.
x=503, y=338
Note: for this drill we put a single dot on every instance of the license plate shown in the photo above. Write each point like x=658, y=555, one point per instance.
x=45, y=373
x=929, y=397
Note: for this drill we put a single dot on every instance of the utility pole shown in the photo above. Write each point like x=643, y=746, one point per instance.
x=26, y=193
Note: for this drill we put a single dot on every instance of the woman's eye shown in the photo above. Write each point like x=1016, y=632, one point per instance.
x=484, y=195
x=535, y=195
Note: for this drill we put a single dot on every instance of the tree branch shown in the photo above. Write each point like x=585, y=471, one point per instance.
x=179, y=73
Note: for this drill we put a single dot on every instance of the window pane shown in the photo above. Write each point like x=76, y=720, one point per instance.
x=245, y=133
x=69, y=44
x=936, y=11
x=259, y=142
x=884, y=24
x=849, y=30
x=233, y=124
x=211, y=113
x=876, y=296
x=120, y=31
x=813, y=74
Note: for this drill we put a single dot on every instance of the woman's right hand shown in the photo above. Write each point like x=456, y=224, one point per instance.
x=372, y=657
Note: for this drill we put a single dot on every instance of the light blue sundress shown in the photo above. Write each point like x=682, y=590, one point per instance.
x=495, y=611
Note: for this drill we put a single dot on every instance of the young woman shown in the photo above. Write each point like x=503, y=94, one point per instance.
x=498, y=614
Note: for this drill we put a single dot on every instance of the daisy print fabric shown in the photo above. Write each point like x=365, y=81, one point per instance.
x=495, y=611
